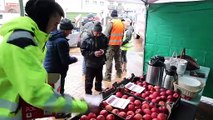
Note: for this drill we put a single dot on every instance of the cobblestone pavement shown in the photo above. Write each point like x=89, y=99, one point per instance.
x=74, y=82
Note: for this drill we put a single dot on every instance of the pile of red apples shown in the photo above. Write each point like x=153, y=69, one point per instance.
x=155, y=93
x=138, y=109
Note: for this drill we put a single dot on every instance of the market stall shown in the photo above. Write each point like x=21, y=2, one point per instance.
x=135, y=99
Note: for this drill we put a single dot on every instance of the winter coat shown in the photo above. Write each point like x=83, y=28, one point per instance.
x=57, y=58
x=92, y=44
x=22, y=75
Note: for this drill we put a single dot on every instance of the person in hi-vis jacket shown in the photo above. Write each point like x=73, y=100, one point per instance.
x=22, y=51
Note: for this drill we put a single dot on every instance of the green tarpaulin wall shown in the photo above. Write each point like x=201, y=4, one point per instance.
x=174, y=26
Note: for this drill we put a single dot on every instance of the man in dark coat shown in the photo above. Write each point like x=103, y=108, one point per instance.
x=93, y=49
x=57, y=58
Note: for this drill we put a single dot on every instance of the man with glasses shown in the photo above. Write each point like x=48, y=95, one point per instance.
x=93, y=49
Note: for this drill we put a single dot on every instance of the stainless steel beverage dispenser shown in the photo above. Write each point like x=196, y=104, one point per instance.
x=155, y=70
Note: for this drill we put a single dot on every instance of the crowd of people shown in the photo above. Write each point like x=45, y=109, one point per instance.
x=33, y=46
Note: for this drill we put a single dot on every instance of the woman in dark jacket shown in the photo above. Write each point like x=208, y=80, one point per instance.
x=93, y=49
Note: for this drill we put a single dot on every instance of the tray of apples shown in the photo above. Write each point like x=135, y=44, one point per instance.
x=153, y=93
x=136, y=109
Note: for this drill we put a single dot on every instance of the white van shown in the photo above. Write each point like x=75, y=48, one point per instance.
x=4, y=17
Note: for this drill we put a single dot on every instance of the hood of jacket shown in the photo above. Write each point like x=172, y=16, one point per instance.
x=57, y=34
x=24, y=23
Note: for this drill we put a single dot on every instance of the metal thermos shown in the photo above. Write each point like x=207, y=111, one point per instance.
x=155, y=70
x=169, y=78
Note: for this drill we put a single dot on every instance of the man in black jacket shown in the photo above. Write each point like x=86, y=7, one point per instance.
x=57, y=58
x=93, y=49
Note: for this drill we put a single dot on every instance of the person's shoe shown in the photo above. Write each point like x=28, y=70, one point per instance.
x=107, y=79
x=119, y=75
x=99, y=90
x=89, y=92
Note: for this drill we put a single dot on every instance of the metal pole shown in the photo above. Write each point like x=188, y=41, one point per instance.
x=21, y=7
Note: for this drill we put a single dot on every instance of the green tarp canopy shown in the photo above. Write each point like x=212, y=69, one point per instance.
x=174, y=26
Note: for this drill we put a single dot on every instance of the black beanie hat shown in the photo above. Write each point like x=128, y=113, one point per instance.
x=97, y=27
x=114, y=13
x=66, y=24
x=41, y=11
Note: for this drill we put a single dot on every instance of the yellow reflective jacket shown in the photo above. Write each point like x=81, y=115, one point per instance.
x=22, y=73
x=128, y=37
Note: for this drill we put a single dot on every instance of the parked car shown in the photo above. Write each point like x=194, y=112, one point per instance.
x=74, y=38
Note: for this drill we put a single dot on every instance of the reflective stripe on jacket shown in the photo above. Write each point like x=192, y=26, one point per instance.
x=117, y=32
x=22, y=73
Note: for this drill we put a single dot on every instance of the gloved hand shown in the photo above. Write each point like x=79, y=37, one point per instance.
x=93, y=108
x=73, y=59
x=124, y=42
x=93, y=103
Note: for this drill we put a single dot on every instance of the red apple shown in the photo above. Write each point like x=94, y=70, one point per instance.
x=137, y=102
x=122, y=114
x=147, y=111
x=157, y=88
x=91, y=115
x=144, y=83
x=131, y=107
x=125, y=96
x=162, y=103
x=163, y=109
x=139, y=111
x=100, y=117
x=130, y=113
x=145, y=102
x=163, y=97
x=93, y=119
x=110, y=117
x=147, y=117
x=145, y=106
x=155, y=94
x=129, y=117
x=150, y=87
x=154, y=109
x=132, y=99
x=84, y=117
x=163, y=93
x=137, y=94
x=138, y=117
x=169, y=97
x=104, y=113
x=143, y=95
x=169, y=92
x=162, y=116
x=154, y=119
x=154, y=101
x=108, y=107
x=115, y=111
x=154, y=115
x=151, y=105
x=119, y=94
x=175, y=95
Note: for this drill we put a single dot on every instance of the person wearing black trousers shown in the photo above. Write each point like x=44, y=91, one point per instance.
x=93, y=49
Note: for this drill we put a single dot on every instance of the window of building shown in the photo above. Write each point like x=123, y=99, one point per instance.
x=86, y=2
x=102, y=3
x=95, y=2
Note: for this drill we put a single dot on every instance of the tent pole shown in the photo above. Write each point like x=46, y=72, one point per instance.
x=21, y=7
